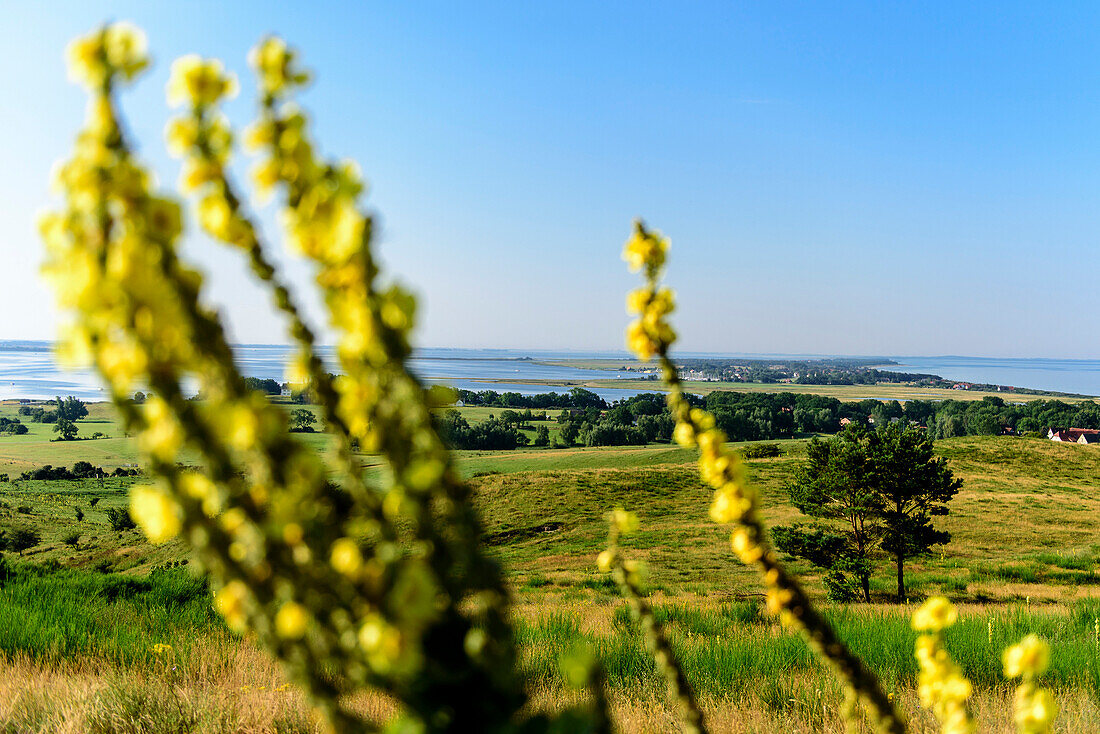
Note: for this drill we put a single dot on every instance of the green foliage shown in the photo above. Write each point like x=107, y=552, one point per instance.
x=65, y=429
x=266, y=386
x=302, y=420
x=71, y=409
x=879, y=491
x=22, y=539
x=119, y=520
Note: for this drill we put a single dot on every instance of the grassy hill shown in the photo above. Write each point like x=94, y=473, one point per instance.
x=1026, y=542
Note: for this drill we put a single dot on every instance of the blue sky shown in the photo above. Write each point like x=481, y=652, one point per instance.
x=849, y=178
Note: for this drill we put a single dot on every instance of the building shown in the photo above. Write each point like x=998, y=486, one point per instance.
x=1074, y=435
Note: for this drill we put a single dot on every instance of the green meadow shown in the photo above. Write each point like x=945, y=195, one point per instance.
x=1023, y=558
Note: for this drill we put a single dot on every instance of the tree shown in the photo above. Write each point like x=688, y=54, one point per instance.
x=139, y=397
x=542, y=436
x=915, y=486
x=302, y=420
x=22, y=539
x=877, y=492
x=835, y=484
x=65, y=428
x=71, y=409
x=120, y=519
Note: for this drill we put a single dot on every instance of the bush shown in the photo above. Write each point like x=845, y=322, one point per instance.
x=23, y=539
x=72, y=539
x=120, y=520
x=760, y=451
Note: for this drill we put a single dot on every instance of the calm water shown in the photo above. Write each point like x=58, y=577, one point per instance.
x=1061, y=375
x=28, y=370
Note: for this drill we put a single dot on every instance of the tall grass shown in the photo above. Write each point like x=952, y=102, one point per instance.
x=729, y=650
x=52, y=614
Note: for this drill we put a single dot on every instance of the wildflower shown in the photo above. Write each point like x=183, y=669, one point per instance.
x=291, y=621
x=1030, y=657
x=156, y=512
x=346, y=558
x=230, y=602
x=934, y=615
x=199, y=81
x=161, y=649
x=626, y=522
x=645, y=249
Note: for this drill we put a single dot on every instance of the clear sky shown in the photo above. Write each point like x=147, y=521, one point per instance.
x=849, y=178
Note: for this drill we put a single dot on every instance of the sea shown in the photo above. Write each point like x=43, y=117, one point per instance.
x=28, y=369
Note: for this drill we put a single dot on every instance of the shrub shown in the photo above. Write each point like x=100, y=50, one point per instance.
x=22, y=539
x=72, y=539
x=760, y=450
x=120, y=520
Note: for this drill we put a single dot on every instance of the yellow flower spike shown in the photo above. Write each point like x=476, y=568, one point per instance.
x=199, y=81
x=291, y=621
x=637, y=300
x=156, y=512
x=87, y=60
x=215, y=215
x=197, y=172
x=265, y=175
x=231, y=602
x=1037, y=712
x=126, y=48
x=163, y=219
x=729, y=505
x=645, y=249
x=934, y=615
x=241, y=427
x=684, y=435
x=626, y=522
x=346, y=558
x=640, y=342
x=180, y=135
x=1030, y=657
x=746, y=548
x=259, y=135
x=271, y=59
x=604, y=560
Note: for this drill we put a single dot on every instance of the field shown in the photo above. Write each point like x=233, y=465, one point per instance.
x=79, y=620
x=847, y=393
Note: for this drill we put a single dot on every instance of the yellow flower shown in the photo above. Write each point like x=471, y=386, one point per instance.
x=604, y=560
x=125, y=47
x=381, y=641
x=638, y=299
x=746, y=547
x=273, y=61
x=1030, y=657
x=156, y=512
x=163, y=218
x=161, y=649
x=199, y=81
x=684, y=434
x=291, y=621
x=934, y=615
x=215, y=215
x=180, y=134
x=645, y=249
x=230, y=602
x=346, y=558
x=1036, y=712
x=729, y=504
x=626, y=522
x=87, y=60
x=640, y=342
